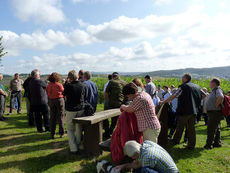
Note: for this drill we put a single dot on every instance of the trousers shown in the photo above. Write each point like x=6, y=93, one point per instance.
x=151, y=134
x=57, y=114
x=145, y=170
x=2, y=105
x=41, y=116
x=184, y=120
x=18, y=95
x=29, y=112
x=74, y=131
x=213, y=129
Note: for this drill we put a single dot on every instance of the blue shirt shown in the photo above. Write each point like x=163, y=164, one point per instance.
x=174, y=104
x=91, y=92
x=156, y=100
x=154, y=156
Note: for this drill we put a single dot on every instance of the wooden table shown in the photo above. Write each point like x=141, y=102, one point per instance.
x=93, y=126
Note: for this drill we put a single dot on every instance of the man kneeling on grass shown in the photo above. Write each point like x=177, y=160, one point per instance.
x=149, y=158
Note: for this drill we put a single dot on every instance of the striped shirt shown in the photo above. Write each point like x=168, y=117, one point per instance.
x=154, y=156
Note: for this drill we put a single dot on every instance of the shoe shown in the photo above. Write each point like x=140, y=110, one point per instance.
x=81, y=146
x=73, y=152
x=185, y=140
x=62, y=136
x=175, y=142
x=76, y=152
x=100, y=166
x=208, y=147
x=19, y=113
x=169, y=137
x=9, y=114
x=2, y=119
x=188, y=147
x=217, y=145
x=47, y=130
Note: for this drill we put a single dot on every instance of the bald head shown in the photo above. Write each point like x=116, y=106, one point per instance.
x=1, y=76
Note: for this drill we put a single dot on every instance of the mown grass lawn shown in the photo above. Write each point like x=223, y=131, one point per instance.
x=22, y=149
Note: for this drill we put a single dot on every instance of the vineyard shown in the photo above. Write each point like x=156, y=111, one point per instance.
x=225, y=85
x=101, y=81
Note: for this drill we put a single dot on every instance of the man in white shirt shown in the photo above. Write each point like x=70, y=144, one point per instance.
x=166, y=93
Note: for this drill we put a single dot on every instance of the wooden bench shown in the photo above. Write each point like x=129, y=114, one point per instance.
x=93, y=126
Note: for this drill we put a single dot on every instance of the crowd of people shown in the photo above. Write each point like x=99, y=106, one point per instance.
x=60, y=100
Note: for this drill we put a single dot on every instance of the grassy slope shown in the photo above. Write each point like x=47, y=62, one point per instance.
x=24, y=150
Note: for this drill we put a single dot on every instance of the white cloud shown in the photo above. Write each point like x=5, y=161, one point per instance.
x=168, y=54
x=94, y=1
x=39, y=11
x=82, y=23
x=123, y=29
x=163, y=2
x=128, y=29
x=189, y=39
x=42, y=41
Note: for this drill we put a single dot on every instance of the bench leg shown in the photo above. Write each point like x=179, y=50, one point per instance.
x=92, y=138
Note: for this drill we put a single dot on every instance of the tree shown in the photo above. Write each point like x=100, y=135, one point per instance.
x=2, y=53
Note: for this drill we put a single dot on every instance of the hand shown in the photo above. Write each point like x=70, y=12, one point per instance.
x=218, y=106
x=119, y=168
x=121, y=108
x=161, y=103
x=6, y=94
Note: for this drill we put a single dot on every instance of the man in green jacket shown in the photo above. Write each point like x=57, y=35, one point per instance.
x=116, y=98
x=3, y=95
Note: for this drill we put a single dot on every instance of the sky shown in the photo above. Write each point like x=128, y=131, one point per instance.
x=114, y=35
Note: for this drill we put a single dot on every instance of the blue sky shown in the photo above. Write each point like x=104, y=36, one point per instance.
x=114, y=35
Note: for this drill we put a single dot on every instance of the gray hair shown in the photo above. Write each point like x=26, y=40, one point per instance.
x=34, y=73
x=131, y=148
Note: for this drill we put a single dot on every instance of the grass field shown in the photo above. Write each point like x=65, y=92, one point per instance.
x=24, y=150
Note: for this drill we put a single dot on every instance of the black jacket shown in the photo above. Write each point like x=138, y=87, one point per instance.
x=37, y=92
x=75, y=96
x=190, y=99
x=26, y=86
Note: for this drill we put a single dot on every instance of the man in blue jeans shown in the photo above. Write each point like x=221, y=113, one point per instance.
x=149, y=158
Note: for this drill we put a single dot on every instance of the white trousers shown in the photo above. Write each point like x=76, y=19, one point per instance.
x=74, y=130
x=151, y=134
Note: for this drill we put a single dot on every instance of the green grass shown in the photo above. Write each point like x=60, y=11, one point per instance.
x=24, y=150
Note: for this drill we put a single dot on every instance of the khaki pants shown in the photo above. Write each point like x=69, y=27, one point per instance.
x=74, y=131
x=151, y=134
x=27, y=105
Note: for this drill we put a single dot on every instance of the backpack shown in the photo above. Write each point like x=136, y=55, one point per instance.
x=226, y=106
